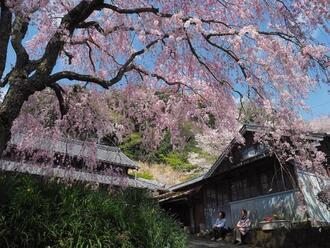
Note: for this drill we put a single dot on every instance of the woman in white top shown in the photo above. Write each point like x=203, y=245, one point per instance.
x=242, y=227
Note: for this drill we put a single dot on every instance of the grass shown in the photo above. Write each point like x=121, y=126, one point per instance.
x=36, y=212
x=145, y=175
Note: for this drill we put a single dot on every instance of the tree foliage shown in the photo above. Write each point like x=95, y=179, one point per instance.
x=174, y=61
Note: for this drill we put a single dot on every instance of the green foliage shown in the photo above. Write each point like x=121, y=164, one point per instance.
x=165, y=147
x=132, y=146
x=178, y=159
x=35, y=212
x=145, y=175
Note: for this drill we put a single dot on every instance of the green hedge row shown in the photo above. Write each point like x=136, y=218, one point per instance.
x=36, y=212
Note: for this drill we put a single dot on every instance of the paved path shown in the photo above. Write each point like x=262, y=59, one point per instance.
x=204, y=243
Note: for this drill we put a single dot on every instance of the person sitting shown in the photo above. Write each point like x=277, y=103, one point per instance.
x=242, y=227
x=219, y=228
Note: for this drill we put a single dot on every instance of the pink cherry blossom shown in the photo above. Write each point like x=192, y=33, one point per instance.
x=171, y=62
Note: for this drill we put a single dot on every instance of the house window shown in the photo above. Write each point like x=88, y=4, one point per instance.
x=251, y=151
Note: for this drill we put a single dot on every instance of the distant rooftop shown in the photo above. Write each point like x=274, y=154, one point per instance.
x=108, y=154
x=186, y=183
x=114, y=180
x=252, y=127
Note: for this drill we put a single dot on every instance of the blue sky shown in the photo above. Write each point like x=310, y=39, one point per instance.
x=319, y=101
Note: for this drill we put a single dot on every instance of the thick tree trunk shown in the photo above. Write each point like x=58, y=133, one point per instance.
x=4, y=137
x=18, y=92
x=21, y=85
x=5, y=30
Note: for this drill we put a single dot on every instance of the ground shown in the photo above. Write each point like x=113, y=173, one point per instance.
x=195, y=242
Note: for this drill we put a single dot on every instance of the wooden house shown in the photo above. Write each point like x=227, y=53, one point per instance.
x=248, y=176
x=69, y=161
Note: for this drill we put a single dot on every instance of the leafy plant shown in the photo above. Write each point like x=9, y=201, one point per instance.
x=35, y=212
x=178, y=161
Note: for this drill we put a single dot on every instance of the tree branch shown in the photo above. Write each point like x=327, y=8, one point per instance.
x=155, y=11
x=288, y=37
x=152, y=10
x=90, y=56
x=5, y=80
x=284, y=5
x=20, y=28
x=5, y=30
x=80, y=77
x=89, y=24
x=105, y=83
x=235, y=58
x=193, y=50
x=69, y=23
x=59, y=91
x=228, y=52
x=220, y=34
x=124, y=68
x=171, y=83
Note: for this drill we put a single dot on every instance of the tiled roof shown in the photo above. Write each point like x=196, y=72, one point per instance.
x=109, y=154
x=72, y=174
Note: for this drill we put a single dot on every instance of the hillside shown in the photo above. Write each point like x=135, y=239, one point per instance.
x=170, y=166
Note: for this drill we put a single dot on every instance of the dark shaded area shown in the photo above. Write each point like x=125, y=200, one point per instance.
x=306, y=237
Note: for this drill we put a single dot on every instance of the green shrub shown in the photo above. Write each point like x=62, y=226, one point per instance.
x=35, y=212
x=178, y=161
x=145, y=175
x=132, y=146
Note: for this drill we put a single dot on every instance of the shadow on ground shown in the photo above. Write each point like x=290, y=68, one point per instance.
x=194, y=242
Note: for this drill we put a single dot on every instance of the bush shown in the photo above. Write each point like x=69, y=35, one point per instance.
x=177, y=159
x=35, y=212
x=145, y=175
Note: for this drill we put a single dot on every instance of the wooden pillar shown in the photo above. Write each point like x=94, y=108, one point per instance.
x=192, y=220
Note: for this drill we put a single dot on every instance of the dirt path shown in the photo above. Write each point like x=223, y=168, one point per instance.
x=204, y=243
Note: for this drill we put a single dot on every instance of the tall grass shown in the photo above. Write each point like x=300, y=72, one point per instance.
x=35, y=212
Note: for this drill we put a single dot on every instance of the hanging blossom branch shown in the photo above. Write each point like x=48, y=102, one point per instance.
x=101, y=43
x=224, y=82
x=179, y=84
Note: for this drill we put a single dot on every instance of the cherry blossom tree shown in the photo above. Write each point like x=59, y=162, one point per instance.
x=174, y=60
